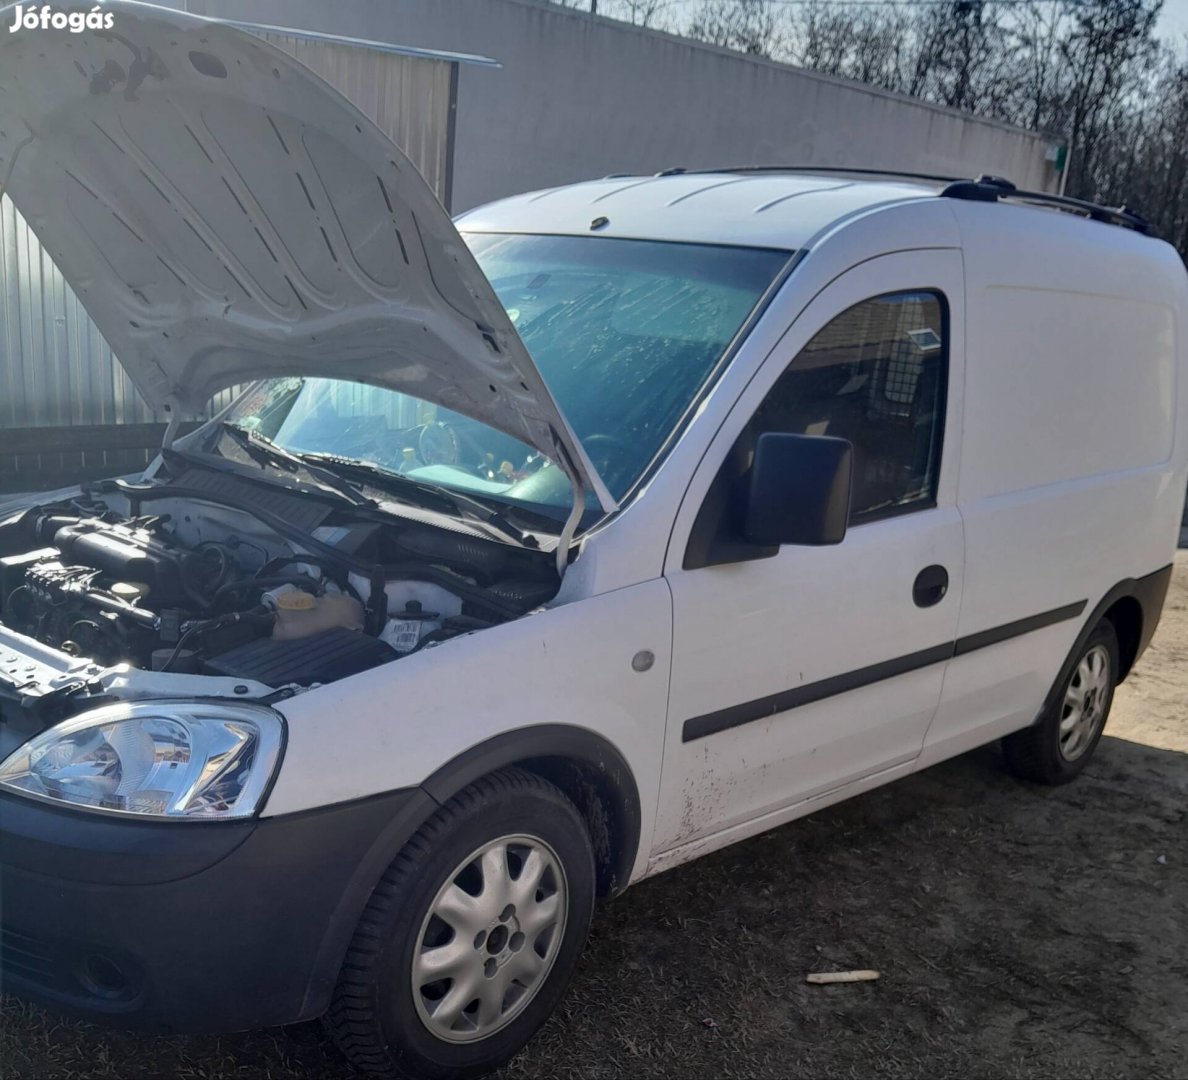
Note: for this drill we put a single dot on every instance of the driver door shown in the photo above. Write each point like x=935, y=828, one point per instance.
x=816, y=671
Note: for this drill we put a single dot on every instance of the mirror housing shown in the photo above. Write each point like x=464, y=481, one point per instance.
x=798, y=491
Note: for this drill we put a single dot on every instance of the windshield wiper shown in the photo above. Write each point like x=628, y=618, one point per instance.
x=442, y=497
x=263, y=450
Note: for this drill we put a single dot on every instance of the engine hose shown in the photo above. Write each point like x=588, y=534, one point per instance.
x=114, y=641
x=197, y=629
x=86, y=593
x=181, y=644
x=14, y=594
x=200, y=593
x=300, y=580
x=328, y=566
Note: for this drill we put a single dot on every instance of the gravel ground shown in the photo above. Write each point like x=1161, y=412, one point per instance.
x=1020, y=932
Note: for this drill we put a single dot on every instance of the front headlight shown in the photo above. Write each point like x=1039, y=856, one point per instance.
x=189, y=760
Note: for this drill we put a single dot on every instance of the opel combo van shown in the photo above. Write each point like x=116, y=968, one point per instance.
x=540, y=552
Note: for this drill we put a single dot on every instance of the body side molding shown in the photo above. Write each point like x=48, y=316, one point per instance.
x=698, y=727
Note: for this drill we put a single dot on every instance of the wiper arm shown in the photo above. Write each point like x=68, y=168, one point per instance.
x=443, y=497
x=265, y=451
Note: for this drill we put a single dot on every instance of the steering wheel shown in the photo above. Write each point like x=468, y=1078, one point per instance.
x=550, y=486
x=437, y=444
x=604, y=451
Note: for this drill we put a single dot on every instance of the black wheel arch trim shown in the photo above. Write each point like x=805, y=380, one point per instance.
x=523, y=746
x=405, y=810
x=1149, y=591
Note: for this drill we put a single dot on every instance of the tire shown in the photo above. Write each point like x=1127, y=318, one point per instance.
x=1059, y=745
x=395, y=1013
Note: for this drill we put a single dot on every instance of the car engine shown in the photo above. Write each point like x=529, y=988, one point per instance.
x=233, y=581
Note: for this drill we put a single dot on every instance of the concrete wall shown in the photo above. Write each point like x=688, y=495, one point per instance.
x=581, y=97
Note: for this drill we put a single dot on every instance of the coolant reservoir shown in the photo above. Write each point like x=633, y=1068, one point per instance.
x=298, y=614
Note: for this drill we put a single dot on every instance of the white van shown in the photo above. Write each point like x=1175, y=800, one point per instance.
x=543, y=554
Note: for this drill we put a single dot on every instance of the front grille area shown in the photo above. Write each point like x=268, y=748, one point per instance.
x=26, y=957
x=77, y=974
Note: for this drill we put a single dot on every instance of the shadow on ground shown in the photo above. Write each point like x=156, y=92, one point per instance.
x=1020, y=931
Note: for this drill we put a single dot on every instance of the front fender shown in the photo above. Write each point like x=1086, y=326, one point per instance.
x=397, y=725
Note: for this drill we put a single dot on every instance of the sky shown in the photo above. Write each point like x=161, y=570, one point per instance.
x=1173, y=21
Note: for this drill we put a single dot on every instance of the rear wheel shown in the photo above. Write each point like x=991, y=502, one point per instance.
x=469, y=940
x=1058, y=746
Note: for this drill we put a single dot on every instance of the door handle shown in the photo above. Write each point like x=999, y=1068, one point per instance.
x=931, y=585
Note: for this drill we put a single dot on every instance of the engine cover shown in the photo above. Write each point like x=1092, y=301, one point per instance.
x=127, y=553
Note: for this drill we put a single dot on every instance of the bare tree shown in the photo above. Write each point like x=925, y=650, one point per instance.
x=1108, y=48
x=641, y=12
x=972, y=44
x=1142, y=153
x=636, y=12
x=1039, y=30
x=748, y=26
x=863, y=43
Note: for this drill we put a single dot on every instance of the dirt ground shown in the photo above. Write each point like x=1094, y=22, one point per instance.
x=1020, y=932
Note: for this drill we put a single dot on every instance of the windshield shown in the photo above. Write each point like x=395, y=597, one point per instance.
x=624, y=332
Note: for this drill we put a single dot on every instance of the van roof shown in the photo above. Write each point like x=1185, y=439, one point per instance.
x=754, y=207
x=755, y=210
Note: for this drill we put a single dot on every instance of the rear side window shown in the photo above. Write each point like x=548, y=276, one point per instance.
x=875, y=375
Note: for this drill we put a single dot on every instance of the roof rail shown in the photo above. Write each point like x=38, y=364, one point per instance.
x=993, y=188
x=823, y=169
x=984, y=189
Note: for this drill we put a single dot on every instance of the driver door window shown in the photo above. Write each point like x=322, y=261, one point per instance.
x=875, y=375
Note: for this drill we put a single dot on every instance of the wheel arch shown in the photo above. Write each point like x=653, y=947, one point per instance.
x=1126, y=613
x=585, y=766
x=1133, y=606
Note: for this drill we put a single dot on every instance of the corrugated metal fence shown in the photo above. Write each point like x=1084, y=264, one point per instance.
x=55, y=368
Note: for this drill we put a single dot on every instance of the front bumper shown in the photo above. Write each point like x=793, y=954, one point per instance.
x=181, y=926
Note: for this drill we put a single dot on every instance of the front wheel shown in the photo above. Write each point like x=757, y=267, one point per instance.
x=471, y=937
x=1058, y=746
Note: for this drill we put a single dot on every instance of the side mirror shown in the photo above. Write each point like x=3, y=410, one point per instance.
x=799, y=491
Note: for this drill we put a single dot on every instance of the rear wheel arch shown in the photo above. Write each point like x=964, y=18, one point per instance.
x=1056, y=748
x=1126, y=614
x=1137, y=603
x=588, y=769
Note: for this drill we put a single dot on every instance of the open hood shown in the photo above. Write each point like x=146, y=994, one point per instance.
x=225, y=215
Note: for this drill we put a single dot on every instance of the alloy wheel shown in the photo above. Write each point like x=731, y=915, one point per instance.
x=490, y=938
x=1085, y=699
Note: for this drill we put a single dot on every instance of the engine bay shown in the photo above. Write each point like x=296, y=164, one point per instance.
x=209, y=574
